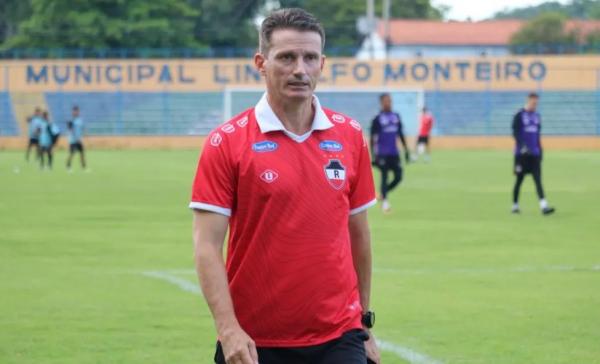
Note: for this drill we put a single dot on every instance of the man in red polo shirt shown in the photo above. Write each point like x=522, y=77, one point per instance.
x=292, y=181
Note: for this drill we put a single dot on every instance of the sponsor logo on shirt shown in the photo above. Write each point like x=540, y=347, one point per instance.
x=265, y=146
x=338, y=118
x=242, y=122
x=228, y=128
x=335, y=172
x=330, y=146
x=356, y=125
x=269, y=176
x=531, y=129
x=216, y=139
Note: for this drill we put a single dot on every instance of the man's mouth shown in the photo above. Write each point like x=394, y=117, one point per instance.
x=298, y=83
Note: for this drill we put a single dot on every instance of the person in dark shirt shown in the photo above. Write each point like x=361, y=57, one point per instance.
x=386, y=128
x=526, y=126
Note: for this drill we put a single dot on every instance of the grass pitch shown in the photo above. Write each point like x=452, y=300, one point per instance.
x=458, y=278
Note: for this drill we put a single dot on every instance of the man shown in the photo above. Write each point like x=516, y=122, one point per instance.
x=527, y=125
x=426, y=124
x=33, y=131
x=386, y=128
x=293, y=181
x=45, y=138
x=75, y=130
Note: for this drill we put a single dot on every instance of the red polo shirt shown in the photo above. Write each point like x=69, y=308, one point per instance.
x=289, y=260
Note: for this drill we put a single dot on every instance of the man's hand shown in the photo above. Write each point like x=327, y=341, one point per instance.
x=238, y=347
x=372, y=349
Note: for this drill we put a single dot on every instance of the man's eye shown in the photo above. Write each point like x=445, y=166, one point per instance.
x=287, y=57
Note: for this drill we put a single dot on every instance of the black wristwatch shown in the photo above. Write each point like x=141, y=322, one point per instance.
x=368, y=319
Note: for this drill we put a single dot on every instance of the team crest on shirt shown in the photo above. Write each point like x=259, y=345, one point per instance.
x=335, y=172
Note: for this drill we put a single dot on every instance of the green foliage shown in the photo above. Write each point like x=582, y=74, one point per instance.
x=547, y=29
x=582, y=9
x=339, y=16
x=12, y=12
x=226, y=22
x=107, y=23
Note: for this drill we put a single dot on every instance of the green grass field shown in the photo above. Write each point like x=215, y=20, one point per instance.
x=457, y=278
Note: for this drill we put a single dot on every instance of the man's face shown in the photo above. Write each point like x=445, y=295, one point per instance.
x=75, y=113
x=386, y=103
x=293, y=64
x=532, y=103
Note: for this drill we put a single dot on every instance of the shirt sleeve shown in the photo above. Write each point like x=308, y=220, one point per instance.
x=362, y=188
x=214, y=184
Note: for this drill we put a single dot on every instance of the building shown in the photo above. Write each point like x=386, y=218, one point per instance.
x=428, y=38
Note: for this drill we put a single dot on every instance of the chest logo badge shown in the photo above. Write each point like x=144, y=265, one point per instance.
x=269, y=176
x=265, y=146
x=335, y=172
x=330, y=146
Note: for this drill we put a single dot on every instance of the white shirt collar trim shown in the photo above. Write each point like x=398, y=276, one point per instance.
x=268, y=121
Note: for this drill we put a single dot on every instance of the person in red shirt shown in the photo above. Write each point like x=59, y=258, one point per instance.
x=292, y=181
x=426, y=124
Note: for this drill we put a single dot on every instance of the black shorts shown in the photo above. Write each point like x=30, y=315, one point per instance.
x=526, y=164
x=423, y=139
x=388, y=162
x=76, y=147
x=348, y=349
x=34, y=141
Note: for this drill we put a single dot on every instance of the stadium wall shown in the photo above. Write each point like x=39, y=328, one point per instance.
x=164, y=102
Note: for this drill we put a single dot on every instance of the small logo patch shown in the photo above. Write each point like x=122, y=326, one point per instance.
x=263, y=147
x=330, y=146
x=228, y=128
x=355, y=124
x=338, y=118
x=335, y=172
x=242, y=122
x=216, y=139
x=269, y=176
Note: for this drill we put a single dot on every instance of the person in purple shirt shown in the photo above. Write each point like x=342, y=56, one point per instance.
x=527, y=126
x=386, y=128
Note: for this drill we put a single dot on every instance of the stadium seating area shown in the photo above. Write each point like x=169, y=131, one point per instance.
x=490, y=113
x=180, y=113
x=8, y=122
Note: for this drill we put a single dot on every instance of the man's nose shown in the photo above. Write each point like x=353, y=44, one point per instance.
x=300, y=67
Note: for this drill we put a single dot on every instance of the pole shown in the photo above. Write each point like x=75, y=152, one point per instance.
x=386, y=24
x=371, y=21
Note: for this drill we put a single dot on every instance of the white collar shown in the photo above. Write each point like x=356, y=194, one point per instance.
x=268, y=121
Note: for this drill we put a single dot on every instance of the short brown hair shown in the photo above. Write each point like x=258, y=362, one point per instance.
x=533, y=95
x=289, y=18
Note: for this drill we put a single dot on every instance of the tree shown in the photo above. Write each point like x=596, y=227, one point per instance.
x=339, y=16
x=547, y=32
x=580, y=9
x=12, y=12
x=106, y=23
x=226, y=22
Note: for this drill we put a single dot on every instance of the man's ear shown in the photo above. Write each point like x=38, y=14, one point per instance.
x=323, y=62
x=259, y=63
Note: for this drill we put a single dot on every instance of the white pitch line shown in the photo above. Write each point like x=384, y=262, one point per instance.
x=184, y=284
x=402, y=352
x=407, y=354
